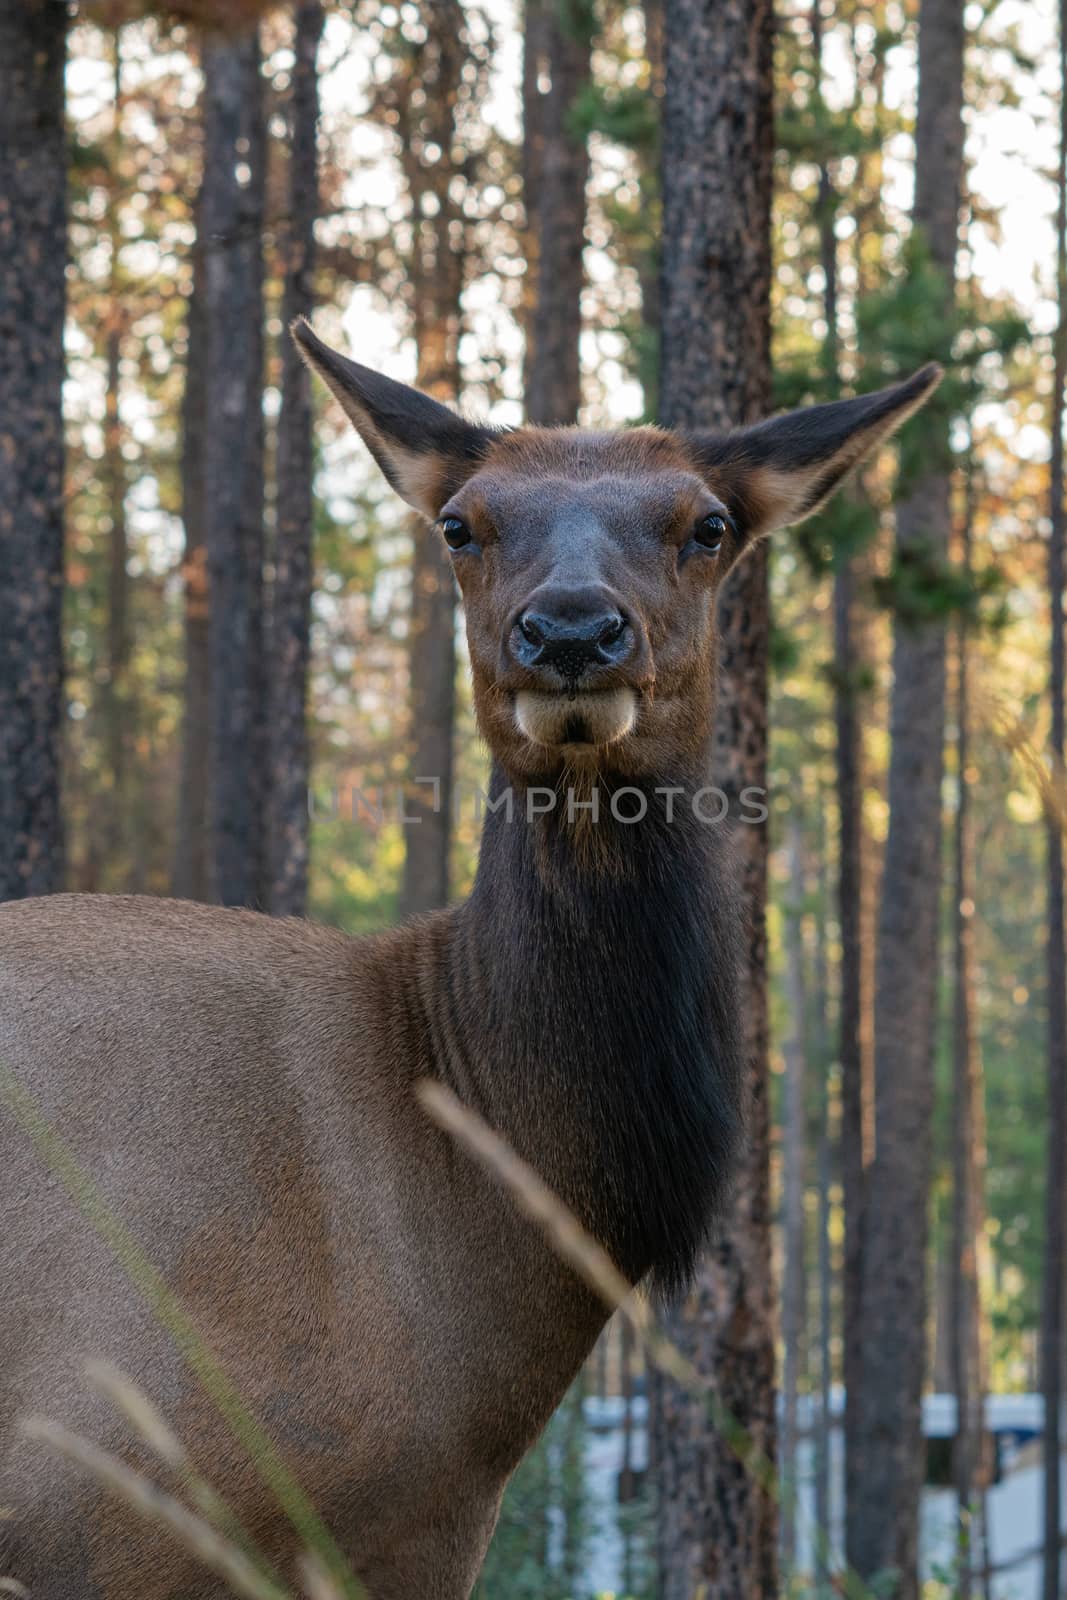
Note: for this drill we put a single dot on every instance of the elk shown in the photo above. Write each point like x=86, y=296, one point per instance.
x=240, y=1088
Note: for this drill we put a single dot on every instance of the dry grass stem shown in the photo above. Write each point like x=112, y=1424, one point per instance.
x=1048, y=781
x=315, y=1581
x=139, y=1412
x=197, y=1536
x=564, y=1232
x=160, y=1437
x=170, y=1313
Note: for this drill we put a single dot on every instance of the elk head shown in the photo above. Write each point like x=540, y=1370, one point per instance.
x=589, y=562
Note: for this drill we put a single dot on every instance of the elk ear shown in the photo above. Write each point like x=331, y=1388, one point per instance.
x=781, y=470
x=425, y=450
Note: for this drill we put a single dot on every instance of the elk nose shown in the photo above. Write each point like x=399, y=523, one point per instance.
x=573, y=640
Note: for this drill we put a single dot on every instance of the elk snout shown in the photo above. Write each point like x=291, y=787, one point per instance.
x=569, y=638
x=572, y=632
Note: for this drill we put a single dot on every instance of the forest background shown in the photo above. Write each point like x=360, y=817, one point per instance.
x=471, y=197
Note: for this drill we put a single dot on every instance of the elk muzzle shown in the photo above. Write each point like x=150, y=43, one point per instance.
x=574, y=646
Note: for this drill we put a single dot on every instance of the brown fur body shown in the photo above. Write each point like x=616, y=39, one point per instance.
x=400, y=1385
x=240, y=1089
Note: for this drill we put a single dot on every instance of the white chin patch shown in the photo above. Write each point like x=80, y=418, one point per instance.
x=589, y=719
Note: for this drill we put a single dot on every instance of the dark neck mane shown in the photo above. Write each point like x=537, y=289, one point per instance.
x=597, y=981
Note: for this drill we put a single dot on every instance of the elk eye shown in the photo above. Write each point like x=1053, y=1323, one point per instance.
x=711, y=531
x=456, y=533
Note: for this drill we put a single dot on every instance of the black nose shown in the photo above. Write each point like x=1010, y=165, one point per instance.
x=572, y=638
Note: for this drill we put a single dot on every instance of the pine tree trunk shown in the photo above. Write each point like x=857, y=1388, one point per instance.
x=856, y=1137
x=115, y=711
x=794, y=1153
x=191, y=876
x=855, y=1042
x=437, y=276
x=968, y=1133
x=941, y=1374
x=824, y=1375
x=231, y=216
x=1052, y=1318
x=717, y=1529
x=558, y=48
x=649, y=262
x=890, y=1470
x=432, y=666
x=33, y=249
x=854, y=1014
x=532, y=161
x=116, y=706
x=290, y=608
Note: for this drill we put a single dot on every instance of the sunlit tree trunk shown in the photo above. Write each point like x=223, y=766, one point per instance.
x=191, y=876
x=116, y=704
x=968, y=1130
x=109, y=830
x=33, y=249
x=1052, y=1318
x=648, y=264
x=855, y=1042
x=290, y=600
x=855, y=1141
x=889, y=1475
x=717, y=1529
x=558, y=47
x=823, y=1377
x=794, y=1160
x=231, y=219
x=436, y=278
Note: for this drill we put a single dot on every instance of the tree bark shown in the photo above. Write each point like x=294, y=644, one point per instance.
x=794, y=1153
x=107, y=834
x=824, y=1376
x=291, y=590
x=648, y=264
x=856, y=1044
x=1052, y=1318
x=437, y=274
x=191, y=876
x=432, y=666
x=889, y=1473
x=33, y=249
x=855, y=1022
x=231, y=216
x=556, y=70
x=855, y=1033
x=968, y=1131
x=118, y=609
x=717, y=1531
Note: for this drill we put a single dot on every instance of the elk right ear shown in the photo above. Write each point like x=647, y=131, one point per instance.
x=425, y=450
x=781, y=470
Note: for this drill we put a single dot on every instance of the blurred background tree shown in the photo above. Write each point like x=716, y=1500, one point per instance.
x=212, y=608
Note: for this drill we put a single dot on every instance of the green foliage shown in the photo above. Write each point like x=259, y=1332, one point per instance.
x=922, y=587
x=814, y=133
x=783, y=650
x=626, y=114
x=540, y=1547
x=537, y=1550
x=840, y=531
x=577, y=18
x=914, y=319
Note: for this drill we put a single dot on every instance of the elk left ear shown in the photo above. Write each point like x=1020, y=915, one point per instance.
x=425, y=450
x=780, y=471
